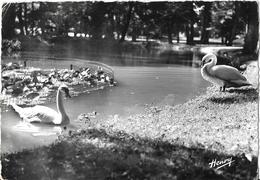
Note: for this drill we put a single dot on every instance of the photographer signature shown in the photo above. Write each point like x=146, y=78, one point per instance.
x=219, y=164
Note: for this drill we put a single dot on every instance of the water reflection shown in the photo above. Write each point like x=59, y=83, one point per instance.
x=133, y=57
x=37, y=130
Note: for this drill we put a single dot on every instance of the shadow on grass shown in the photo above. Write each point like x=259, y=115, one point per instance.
x=96, y=154
x=235, y=96
x=248, y=91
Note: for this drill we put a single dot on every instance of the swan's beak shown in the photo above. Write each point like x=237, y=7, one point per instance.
x=204, y=60
x=202, y=63
x=67, y=94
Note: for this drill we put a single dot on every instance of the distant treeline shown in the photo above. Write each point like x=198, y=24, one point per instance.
x=227, y=20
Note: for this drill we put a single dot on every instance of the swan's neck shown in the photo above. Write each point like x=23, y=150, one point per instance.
x=60, y=106
x=214, y=60
x=211, y=63
x=206, y=71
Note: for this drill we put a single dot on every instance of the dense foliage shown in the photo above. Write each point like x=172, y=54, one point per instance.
x=227, y=20
x=9, y=46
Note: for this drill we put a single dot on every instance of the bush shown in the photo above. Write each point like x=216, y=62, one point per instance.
x=10, y=46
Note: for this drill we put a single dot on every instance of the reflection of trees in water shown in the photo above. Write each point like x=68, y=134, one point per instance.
x=176, y=57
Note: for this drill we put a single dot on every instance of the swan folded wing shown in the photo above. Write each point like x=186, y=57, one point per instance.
x=25, y=113
x=42, y=114
x=228, y=73
x=32, y=119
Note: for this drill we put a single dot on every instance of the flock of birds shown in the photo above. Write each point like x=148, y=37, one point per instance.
x=18, y=81
x=222, y=75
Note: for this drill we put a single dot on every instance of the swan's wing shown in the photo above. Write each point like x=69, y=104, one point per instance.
x=43, y=114
x=227, y=73
x=37, y=114
x=23, y=112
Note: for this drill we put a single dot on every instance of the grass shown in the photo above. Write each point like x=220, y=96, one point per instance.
x=225, y=122
x=162, y=143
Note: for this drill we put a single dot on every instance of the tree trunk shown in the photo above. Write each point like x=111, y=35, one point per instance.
x=134, y=32
x=169, y=31
x=8, y=21
x=128, y=18
x=33, y=22
x=178, y=33
x=187, y=32
x=20, y=18
x=206, y=18
x=222, y=40
x=147, y=37
x=113, y=26
x=191, y=33
x=25, y=18
x=252, y=36
x=117, y=26
x=235, y=23
x=97, y=22
x=42, y=22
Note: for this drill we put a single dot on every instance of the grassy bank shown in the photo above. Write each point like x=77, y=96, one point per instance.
x=225, y=122
x=162, y=143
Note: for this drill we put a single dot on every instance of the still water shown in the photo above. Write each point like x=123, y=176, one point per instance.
x=138, y=84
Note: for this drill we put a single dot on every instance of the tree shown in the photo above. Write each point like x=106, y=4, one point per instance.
x=96, y=14
x=206, y=19
x=152, y=16
x=127, y=20
x=8, y=20
x=142, y=21
x=190, y=18
x=252, y=36
x=20, y=19
x=221, y=20
x=235, y=21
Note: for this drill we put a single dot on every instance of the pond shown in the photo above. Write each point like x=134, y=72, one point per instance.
x=162, y=80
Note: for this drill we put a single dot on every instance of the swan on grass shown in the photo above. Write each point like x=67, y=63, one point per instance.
x=43, y=114
x=222, y=75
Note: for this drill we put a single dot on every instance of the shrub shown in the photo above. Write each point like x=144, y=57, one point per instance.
x=10, y=46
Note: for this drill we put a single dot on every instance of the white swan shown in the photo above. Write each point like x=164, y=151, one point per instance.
x=222, y=75
x=44, y=114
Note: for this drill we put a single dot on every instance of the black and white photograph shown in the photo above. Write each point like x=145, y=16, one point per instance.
x=129, y=90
